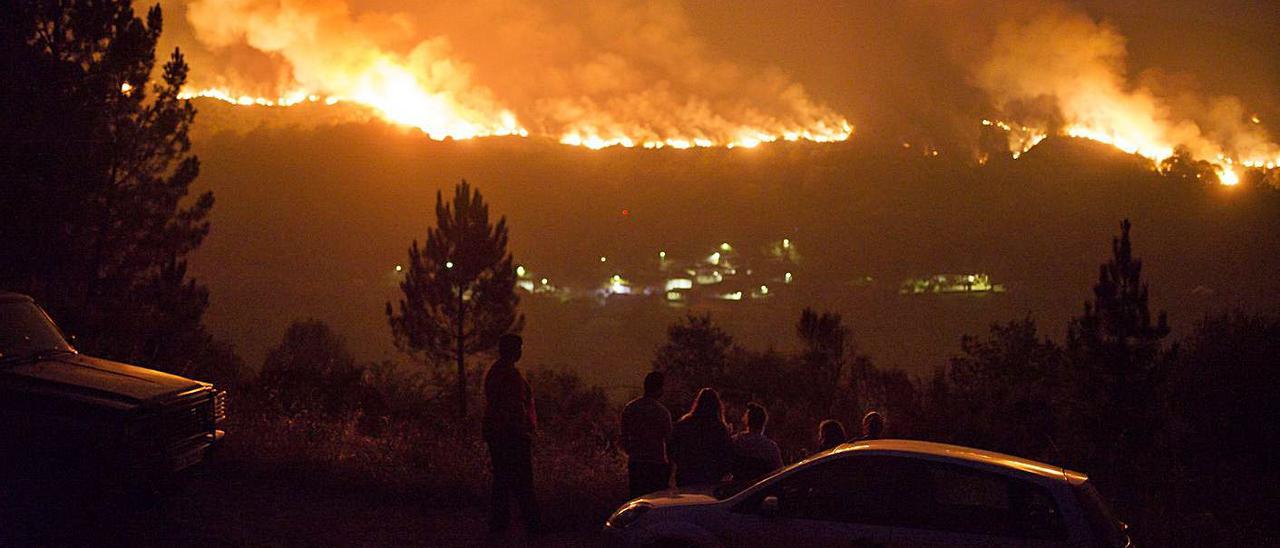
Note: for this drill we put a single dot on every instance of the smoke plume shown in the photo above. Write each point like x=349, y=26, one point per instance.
x=595, y=73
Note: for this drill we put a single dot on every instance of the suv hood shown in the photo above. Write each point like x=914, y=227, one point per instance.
x=95, y=380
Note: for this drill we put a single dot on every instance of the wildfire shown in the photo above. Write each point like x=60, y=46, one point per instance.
x=1227, y=168
x=405, y=104
x=636, y=77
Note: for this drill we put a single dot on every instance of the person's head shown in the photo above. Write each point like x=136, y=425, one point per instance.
x=707, y=405
x=872, y=425
x=510, y=347
x=653, y=384
x=755, y=417
x=831, y=433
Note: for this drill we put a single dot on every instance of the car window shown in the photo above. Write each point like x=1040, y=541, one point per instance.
x=870, y=490
x=25, y=329
x=967, y=500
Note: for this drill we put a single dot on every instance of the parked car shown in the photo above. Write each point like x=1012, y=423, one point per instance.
x=882, y=493
x=67, y=415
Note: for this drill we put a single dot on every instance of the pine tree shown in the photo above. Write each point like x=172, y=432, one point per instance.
x=459, y=289
x=1116, y=327
x=1114, y=353
x=95, y=168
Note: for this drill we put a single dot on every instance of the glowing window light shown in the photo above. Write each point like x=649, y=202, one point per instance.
x=520, y=270
x=604, y=259
x=764, y=290
x=399, y=268
x=714, y=258
x=448, y=264
x=544, y=281
x=786, y=243
x=662, y=254
x=725, y=246
x=679, y=283
x=786, y=278
x=735, y=296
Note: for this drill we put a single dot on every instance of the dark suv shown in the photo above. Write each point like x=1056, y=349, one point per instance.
x=64, y=414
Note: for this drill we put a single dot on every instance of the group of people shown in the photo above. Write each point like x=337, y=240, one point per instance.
x=700, y=447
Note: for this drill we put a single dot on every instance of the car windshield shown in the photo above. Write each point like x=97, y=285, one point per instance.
x=25, y=332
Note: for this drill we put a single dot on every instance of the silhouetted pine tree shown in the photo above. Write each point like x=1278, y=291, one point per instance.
x=1114, y=350
x=459, y=289
x=95, y=167
x=1116, y=329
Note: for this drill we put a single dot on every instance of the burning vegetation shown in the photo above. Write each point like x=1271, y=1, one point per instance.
x=606, y=74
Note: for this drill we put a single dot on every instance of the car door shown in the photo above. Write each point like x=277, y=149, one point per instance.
x=971, y=506
x=846, y=501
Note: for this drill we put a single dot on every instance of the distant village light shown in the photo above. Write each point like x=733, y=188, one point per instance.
x=520, y=271
x=544, y=281
x=603, y=259
x=725, y=246
x=786, y=243
x=399, y=268
x=786, y=278
x=448, y=264
x=662, y=254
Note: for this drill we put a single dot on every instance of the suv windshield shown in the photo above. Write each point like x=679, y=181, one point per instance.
x=26, y=332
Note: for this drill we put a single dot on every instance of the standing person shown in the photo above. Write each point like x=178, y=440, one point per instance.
x=755, y=455
x=831, y=434
x=700, y=447
x=509, y=422
x=872, y=426
x=646, y=424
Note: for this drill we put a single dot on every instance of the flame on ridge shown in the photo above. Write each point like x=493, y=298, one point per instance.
x=1067, y=72
x=606, y=74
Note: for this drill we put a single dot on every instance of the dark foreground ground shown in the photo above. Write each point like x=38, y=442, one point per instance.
x=238, y=500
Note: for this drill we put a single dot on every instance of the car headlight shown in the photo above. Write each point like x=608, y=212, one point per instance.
x=628, y=514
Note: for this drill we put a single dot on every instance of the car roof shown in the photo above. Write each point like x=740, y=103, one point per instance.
x=9, y=296
x=968, y=454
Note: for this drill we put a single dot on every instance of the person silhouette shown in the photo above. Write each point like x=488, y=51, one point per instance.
x=509, y=422
x=872, y=426
x=700, y=447
x=831, y=434
x=646, y=424
x=755, y=455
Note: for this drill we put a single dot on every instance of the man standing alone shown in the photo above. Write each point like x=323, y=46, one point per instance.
x=646, y=425
x=509, y=422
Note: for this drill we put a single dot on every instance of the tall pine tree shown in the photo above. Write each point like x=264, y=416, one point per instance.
x=459, y=289
x=95, y=168
x=1114, y=350
x=1116, y=330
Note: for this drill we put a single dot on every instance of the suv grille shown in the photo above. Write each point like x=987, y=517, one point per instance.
x=181, y=422
x=220, y=407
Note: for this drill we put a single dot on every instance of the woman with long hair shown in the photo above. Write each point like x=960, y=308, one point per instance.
x=700, y=447
x=831, y=434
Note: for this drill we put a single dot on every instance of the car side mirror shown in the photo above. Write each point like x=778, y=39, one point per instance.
x=769, y=506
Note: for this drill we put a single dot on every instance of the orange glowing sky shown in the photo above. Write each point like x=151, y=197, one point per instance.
x=668, y=74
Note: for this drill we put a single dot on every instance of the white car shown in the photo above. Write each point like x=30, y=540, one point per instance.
x=881, y=493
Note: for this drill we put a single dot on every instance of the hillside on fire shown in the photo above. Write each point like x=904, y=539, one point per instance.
x=639, y=273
